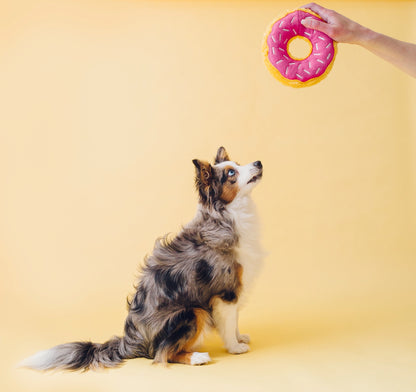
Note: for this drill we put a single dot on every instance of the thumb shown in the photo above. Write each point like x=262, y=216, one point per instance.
x=315, y=24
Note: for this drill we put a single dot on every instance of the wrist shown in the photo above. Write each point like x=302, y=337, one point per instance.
x=365, y=37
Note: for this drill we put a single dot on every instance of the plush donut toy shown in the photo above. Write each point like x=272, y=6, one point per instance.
x=283, y=65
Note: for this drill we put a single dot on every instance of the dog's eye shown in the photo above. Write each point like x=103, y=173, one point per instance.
x=231, y=173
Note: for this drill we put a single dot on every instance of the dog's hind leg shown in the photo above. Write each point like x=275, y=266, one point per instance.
x=178, y=336
x=190, y=358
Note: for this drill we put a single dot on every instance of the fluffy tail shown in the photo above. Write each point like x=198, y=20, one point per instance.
x=81, y=356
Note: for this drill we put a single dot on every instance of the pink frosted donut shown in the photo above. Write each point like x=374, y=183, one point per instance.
x=284, y=66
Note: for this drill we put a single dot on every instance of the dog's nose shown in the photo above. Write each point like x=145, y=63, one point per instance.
x=258, y=164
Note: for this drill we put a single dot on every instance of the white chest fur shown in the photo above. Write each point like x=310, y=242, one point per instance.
x=250, y=252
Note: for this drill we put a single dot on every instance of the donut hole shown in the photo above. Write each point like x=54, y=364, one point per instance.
x=299, y=48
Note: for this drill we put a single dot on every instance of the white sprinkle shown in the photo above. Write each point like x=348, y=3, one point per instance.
x=273, y=39
x=317, y=71
x=287, y=58
x=327, y=46
x=300, y=77
x=291, y=22
x=281, y=24
x=280, y=37
x=277, y=62
x=316, y=54
x=306, y=71
x=286, y=70
x=329, y=55
x=322, y=38
x=295, y=31
x=285, y=41
x=316, y=46
x=286, y=30
x=320, y=61
x=308, y=34
x=282, y=50
x=273, y=50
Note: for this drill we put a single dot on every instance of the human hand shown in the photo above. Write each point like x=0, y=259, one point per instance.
x=335, y=25
x=339, y=28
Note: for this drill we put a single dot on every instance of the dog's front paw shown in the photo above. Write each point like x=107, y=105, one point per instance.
x=243, y=339
x=238, y=348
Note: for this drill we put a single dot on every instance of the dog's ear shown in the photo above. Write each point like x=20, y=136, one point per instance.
x=203, y=172
x=222, y=156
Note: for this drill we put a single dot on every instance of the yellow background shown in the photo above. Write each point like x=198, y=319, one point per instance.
x=103, y=106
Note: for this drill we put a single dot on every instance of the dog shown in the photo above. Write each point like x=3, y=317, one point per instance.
x=192, y=282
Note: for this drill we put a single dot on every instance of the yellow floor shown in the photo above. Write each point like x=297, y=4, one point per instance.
x=365, y=352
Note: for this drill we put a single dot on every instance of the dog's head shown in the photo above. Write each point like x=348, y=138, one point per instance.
x=226, y=180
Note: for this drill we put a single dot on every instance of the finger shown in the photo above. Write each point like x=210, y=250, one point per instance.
x=315, y=24
x=321, y=11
